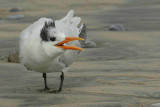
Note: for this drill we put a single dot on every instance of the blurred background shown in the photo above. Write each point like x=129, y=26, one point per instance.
x=18, y=14
x=119, y=67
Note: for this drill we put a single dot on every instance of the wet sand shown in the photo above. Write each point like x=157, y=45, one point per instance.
x=123, y=71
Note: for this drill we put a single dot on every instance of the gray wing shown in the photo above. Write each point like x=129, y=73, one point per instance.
x=83, y=33
x=70, y=55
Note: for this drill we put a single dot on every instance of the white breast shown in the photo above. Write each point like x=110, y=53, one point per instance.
x=32, y=55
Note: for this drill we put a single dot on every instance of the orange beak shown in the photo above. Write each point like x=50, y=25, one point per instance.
x=68, y=39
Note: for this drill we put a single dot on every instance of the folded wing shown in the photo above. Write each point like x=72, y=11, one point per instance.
x=69, y=26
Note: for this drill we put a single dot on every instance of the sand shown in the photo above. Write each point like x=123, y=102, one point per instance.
x=123, y=71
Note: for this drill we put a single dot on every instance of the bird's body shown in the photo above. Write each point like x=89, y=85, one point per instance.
x=40, y=54
x=38, y=57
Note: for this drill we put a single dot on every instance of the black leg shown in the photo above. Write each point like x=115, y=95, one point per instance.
x=61, y=84
x=46, y=89
x=45, y=81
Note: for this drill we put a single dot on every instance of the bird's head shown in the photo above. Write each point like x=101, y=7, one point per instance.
x=55, y=40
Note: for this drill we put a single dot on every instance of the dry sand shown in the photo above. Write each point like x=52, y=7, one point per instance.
x=123, y=71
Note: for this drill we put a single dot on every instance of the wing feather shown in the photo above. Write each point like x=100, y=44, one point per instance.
x=69, y=26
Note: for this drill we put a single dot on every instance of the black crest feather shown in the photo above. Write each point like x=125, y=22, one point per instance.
x=44, y=31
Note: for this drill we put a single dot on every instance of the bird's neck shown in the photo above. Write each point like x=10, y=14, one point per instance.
x=50, y=51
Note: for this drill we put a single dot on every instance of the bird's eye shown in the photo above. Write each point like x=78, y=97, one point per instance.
x=53, y=38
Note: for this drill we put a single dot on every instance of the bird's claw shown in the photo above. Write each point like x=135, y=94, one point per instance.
x=53, y=91
x=49, y=90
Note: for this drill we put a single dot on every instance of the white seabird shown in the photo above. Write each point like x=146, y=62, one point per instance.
x=48, y=46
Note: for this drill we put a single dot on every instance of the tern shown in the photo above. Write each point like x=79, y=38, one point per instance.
x=48, y=46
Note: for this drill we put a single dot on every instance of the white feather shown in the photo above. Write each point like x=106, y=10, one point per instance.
x=38, y=56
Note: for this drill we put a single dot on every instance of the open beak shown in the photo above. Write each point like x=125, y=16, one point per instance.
x=68, y=39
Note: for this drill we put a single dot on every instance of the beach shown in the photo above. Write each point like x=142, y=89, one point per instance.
x=122, y=71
